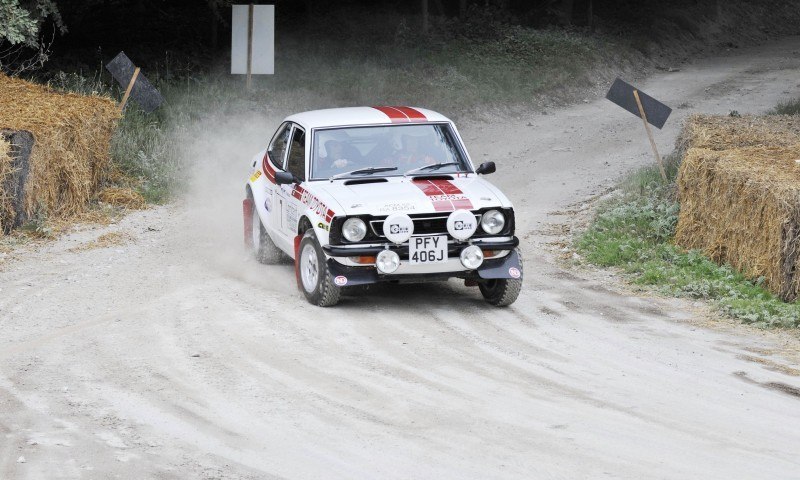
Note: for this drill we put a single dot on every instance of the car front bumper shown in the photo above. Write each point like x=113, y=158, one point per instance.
x=508, y=266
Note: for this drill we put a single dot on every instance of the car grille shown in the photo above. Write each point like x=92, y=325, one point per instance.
x=424, y=224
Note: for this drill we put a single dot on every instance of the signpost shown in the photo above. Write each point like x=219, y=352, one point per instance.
x=650, y=110
x=137, y=87
x=253, y=40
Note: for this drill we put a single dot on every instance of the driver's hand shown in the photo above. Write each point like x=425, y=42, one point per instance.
x=340, y=163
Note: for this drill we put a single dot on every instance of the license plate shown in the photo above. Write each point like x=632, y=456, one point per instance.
x=432, y=249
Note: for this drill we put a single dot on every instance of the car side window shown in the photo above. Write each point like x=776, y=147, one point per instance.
x=277, y=149
x=297, y=154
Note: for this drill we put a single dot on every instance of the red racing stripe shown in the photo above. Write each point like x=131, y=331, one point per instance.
x=395, y=115
x=440, y=202
x=412, y=114
x=445, y=196
x=267, y=167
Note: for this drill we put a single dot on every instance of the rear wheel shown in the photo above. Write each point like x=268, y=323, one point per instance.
x=264, y=248
x=315, y=278
x=501, y=292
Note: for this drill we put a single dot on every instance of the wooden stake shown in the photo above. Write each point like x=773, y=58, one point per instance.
x=128, y=90
x=650, y=135
x=249, y=45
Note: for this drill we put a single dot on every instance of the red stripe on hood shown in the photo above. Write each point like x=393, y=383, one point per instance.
x=445, y=196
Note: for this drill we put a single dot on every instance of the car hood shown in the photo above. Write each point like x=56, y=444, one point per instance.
x=407, y=195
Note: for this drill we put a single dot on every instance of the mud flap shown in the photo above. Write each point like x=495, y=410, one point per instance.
x=297, y=241
x=350, y=276
x=247, y=214
x=506, y=267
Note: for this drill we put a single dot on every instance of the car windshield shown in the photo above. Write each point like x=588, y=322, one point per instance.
x=386, y=151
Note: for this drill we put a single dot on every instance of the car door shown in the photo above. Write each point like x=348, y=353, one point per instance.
x=291, y=194
x=276, y=156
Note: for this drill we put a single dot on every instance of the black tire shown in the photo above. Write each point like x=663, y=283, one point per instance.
x=321, y=292
x=501, y=292
x=264, y=249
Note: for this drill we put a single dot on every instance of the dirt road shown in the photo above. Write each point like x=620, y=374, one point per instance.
x=172, y=355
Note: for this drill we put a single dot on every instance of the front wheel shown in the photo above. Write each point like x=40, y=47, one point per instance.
x=501, y=292
x=315, y=278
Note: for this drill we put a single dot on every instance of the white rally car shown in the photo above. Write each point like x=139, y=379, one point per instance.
x=379, y=194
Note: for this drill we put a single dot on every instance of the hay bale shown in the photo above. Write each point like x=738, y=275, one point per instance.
x=742, y=206
x=122, y=197
x=15, y=151
x=73, y=133
x=718, y=132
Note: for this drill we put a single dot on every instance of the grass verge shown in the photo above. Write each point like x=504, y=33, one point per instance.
x=792, y=107
x=634, y=231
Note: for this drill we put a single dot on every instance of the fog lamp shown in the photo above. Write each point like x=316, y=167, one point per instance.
x=472, y=257
x=387, y=261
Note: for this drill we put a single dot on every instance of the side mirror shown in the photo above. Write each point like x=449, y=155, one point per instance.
x=285, y=178
x=486, y=168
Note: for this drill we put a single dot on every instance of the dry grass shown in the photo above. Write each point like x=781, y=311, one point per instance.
x=739, y=190
x=6, y=205
x=106, y=240
x=70, y=158
x=122, y=197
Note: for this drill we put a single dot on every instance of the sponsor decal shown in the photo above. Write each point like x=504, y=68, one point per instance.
x=397, y=207
x=268, y=204
x=323, y=226
x=255, y=176
x=445, y=196
x=312, y=202
x=461, y=225
x=514, y=272
x=291, y=216
x=340, y=281
x=402, y=114
x=396, y=229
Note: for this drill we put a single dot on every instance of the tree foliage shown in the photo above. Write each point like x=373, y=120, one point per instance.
x=22, y=46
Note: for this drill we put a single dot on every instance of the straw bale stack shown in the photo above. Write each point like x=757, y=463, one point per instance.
x=72, y=133
x=722, y=132
x=739, y=189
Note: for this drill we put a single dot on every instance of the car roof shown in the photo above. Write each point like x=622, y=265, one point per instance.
x=380, y=115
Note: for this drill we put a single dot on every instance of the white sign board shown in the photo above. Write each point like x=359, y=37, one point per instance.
x=263, y=39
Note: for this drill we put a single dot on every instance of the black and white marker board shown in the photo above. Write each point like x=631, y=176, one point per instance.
x=621, y=93
x=253, y=40
x=141, y=91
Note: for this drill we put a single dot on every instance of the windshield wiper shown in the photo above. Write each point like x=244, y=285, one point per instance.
x=435, y=166
x=363, y=171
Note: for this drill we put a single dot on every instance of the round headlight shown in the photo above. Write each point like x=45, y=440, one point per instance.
x=472, y=257
x=354, y=229
x=387, y=261
x=493, y=222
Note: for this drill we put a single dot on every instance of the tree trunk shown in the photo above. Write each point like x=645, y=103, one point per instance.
x=214, y=32
x=590, y=14
x=566, y=11
x=424, y=16
x=439, y=7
